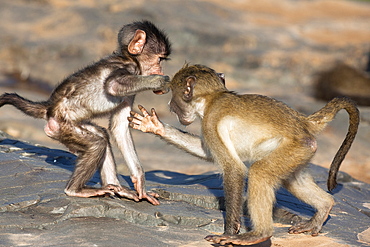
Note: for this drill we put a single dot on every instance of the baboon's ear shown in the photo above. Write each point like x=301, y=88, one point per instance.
x=190, y=83
x=137, y=43
x=222, y=77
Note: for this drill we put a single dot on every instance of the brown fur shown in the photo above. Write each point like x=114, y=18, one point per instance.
x=344, y=80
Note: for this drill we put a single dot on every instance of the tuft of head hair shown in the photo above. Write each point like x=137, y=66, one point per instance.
x=157, y=41
x=205, y=77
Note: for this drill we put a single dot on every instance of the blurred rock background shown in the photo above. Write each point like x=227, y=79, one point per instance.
x=266, y=47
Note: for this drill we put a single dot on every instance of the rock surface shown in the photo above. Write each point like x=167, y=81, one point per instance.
x=35, y=211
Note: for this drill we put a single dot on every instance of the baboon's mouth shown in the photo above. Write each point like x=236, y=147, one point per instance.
x=159, y=92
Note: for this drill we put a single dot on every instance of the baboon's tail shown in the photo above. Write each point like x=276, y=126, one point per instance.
x=321, y=118
x=33, y=109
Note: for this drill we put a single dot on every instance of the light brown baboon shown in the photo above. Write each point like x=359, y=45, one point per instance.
x=274, y=139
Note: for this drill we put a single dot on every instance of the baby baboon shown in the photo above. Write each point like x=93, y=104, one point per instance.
x=105, y=88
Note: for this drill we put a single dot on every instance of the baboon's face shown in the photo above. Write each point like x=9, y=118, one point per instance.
x=182, y=97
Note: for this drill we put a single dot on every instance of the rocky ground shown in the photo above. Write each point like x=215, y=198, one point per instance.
x=34, y=211
x=263, y=47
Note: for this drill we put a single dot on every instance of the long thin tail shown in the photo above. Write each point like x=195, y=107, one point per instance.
x=33, y=109
x=322, y=117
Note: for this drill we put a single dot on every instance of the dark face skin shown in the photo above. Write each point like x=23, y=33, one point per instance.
x=181, y=103
x=182, y=111
x=152, y=64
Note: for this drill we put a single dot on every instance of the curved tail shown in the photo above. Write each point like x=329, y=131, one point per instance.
x=33, y=109
x=321, y=118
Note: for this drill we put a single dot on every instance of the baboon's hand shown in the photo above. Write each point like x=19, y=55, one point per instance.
x=164, y=84
x=146, y=123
